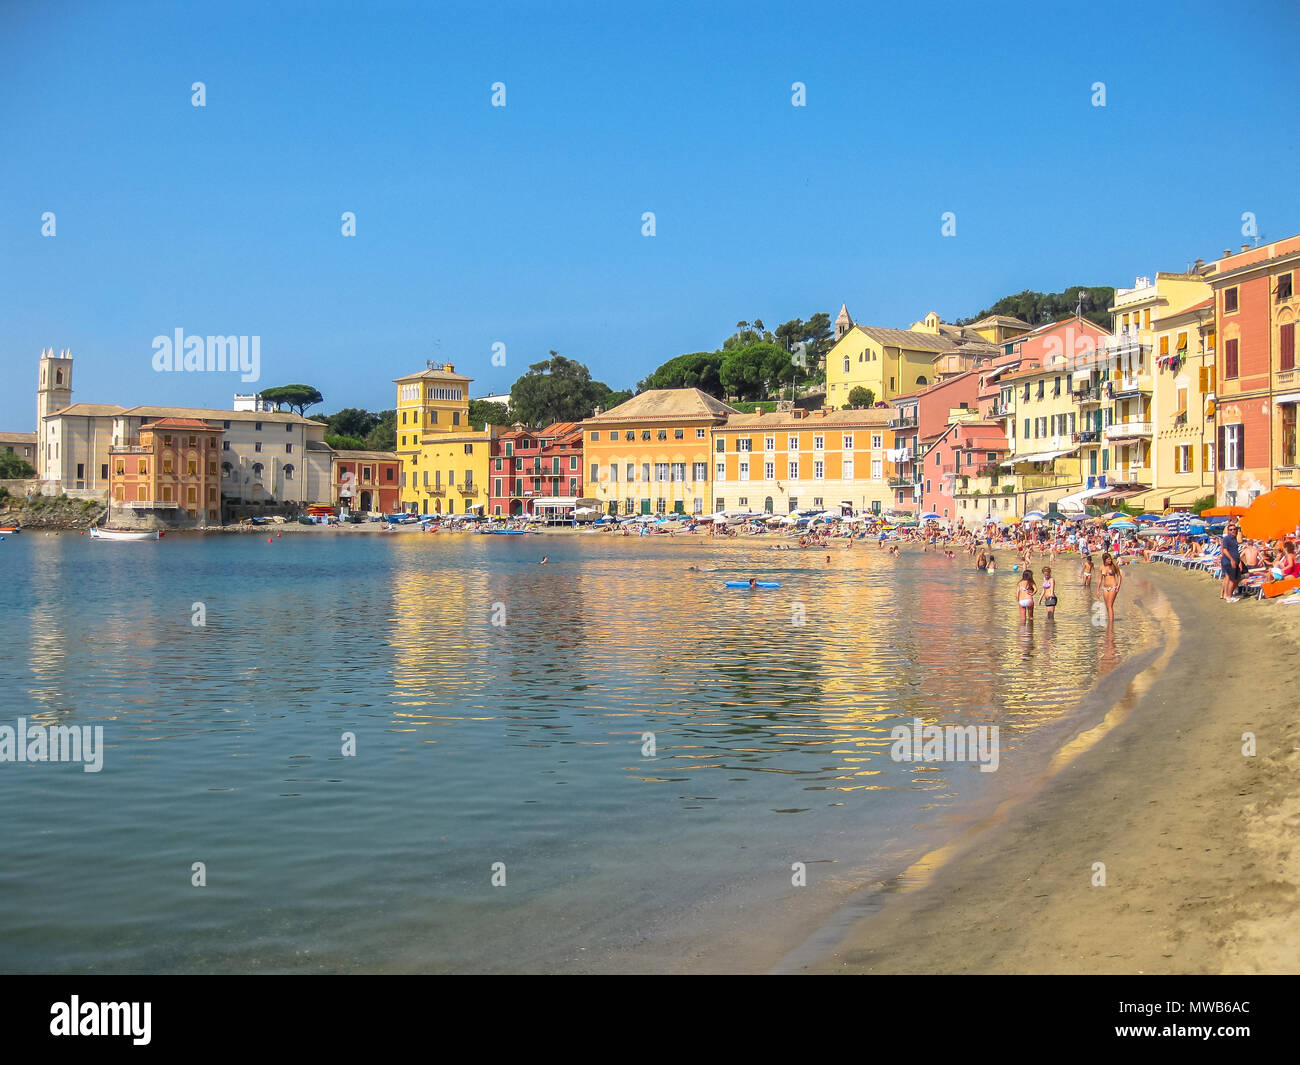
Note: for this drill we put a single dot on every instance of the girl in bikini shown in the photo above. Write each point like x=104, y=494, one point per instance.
x=1111, y=579
x=1049, y=591
x=1025, y=592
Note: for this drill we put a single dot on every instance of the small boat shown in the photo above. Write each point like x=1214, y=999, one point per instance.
x=757, y=584
x=115, y=534
x=6, y=530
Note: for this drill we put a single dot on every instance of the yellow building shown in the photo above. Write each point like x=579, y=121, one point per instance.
x=896, y=362
x=806, y=460
x=1182, y=415
x=1129, y=431
x=1043, y=424
x=651, y=454
x=444, y=461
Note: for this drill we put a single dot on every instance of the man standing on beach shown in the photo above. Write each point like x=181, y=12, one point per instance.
x=1230, y=560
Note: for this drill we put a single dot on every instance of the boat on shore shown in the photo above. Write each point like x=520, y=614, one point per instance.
x=115, y=534
x=7, y=530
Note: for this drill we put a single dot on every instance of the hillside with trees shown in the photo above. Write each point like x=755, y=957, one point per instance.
x=1040, y=308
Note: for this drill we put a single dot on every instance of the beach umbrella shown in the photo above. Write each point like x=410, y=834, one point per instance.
x=1122, y=524
x=930, y=517
x=1223, y=512
x=1035, y=515
x=1274, y=514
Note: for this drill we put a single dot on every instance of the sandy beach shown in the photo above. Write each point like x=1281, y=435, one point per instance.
x=1198, y=840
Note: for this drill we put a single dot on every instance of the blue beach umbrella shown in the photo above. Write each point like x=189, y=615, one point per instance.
x=930, y=517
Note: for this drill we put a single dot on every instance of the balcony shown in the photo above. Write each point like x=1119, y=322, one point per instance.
x=902, y=423
x=1089, y=394
x=1285, y=378
x=1001, y=410
x=1127, y=430
x=1088, y=436
x=435, y=490
x=149, y=504
x=901, y=482
x=129, y=449
x=467, y=489
x=1130, y=475
x=1129, y=386
x=1031, y=482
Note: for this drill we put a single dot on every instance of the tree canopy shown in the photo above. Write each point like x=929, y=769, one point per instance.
x=295, y=397
x=1040, y=308
x=756, y=370
x=482, y=413
x=558, y=390
x=13, y=467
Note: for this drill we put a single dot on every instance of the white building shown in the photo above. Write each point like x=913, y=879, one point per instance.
x=266, y=456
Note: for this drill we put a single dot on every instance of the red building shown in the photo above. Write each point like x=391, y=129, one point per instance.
x=1256, y=388
x=922, y=419
x=368, y=481
x=536, y=472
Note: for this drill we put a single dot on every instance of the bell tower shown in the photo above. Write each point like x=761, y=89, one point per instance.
x=53, y=392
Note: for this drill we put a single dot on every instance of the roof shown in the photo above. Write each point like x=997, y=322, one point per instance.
x=16, y=438
x=663, y=404
x=875, y=417
x=89, y=410
x=1000, y=319
x=367, y=456
x=218, y=415
x=907, y=338
x=180, y=423
x=432, y=374
x=947, y=382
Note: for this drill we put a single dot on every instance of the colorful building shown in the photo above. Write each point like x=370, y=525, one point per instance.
x=537, y=471
x=652, y=454
x=1256, y=388
x=810, y=460
x=968, y=484
x=922, y=418
x=368, y=481
x=445, y=462
x=169, y=471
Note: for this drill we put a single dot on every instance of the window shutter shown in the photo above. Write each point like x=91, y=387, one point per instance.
x=1219, y=452
x=1204, y=379
x=1241, y=446
x=1287, y=339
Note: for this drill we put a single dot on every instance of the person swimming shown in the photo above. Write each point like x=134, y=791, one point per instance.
x=544, y=560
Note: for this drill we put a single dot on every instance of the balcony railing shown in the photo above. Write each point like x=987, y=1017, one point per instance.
x=1087, y=394
x=1286, y=378
x=1130, y=475
x=1029, y=482
x=1125, y=430
x=901, y=482
x=1001, y=410
x=129, y=449
x=435, y=489
x=902, y=423
x=1088, y=436
x=1127, y=386
x=467, y=489
x=150, y=504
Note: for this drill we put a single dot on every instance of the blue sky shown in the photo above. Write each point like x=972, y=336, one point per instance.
x=522, y=225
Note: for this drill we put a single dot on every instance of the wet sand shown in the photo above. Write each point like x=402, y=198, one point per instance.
x=1202, y=863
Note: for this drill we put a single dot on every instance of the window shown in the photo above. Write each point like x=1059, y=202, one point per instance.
x=744, y=470
x=769, y=443
x=876, y=441
x=721, y=472
x=645, y=434
x=257, y=427
x=846, y=364
x=288, y=449
x=699, y=471
x=1284, y=287
x=1286, y=338
x=744, y=443
x=258, y=446
x=433, y=417
x=679, y=471
x=629, y=472
x=595, y=437
x=792, y=444
x=613, y=473
x=288, y=473
x=699, y=503
x=595, y=473
x=645, y=472
x=455, y=417
x=661, y=471
x=573, y=463
x=496, y=491
x=700, y=434
x=721, y=445
x=848, y=469
x=191, y=468
x=819, y=469
x=1183, y=458
x=1229, y=300
x=794, y=469
x=848, y=441
x=769, y=471
x=1042, y=388
x=1231, y=445
x=679, y=434
x=661, y=505
x=1288, y=434
x=1230, y=359
x=662, y=434
x=819, y=443
x=469, y=449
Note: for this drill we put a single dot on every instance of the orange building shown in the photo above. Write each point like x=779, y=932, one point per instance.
x=1256, y=387
x=170, y=471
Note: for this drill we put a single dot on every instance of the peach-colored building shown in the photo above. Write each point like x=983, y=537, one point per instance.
x=170, y=471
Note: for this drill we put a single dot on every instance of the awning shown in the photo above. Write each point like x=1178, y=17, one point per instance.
x=1076, y=501
x=1041, y=456
x=1121, y=493
x=554, y=501
x=1287, y=397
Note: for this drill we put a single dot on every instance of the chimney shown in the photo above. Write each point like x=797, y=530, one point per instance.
x=759, y=412
x=598, y=411
x=1196, y=266
x=1245, y=247
x=822, y=412
x=1227, y=252
x=448, y=368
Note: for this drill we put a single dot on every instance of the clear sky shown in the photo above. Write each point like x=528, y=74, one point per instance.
x=522, y=225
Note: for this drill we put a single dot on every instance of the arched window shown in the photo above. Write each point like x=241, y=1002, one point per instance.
x=227, y=470
x=288, y=472
x=846, y=364
x=257, y=470
x=921, y=380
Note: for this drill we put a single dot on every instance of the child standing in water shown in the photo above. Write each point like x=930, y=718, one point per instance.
x=1049, y=591
x=1025, y=592
x=993, y=565
x=1087, y=573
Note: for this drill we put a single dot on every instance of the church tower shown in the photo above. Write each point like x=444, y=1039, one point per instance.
x=54, y=392
x=843, y=323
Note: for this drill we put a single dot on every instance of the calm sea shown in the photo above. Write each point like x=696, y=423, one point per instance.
x=499, y=710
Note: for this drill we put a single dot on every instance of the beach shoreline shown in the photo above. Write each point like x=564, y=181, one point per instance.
x=1201, y=875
